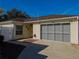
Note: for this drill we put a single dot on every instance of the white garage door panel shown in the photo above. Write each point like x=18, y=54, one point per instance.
x=66, y=28
x=66, y=38
x=44, y=29
x=7, y=31
x=44, y=36
x=57, y=32
x=58, y=37
x=51, y=36
x=58, y=28
x=51, y=29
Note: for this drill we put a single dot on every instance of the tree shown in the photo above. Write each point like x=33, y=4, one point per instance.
x=1, y=11
x=15, y=13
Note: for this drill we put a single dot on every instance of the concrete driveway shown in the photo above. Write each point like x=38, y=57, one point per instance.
x=59, y=50
x=46, y=49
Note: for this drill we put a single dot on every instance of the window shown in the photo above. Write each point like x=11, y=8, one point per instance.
x=19, y=29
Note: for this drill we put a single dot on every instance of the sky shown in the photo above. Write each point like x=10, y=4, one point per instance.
x=37, y=8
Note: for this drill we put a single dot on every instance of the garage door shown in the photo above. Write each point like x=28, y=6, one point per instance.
x=56, y=32
x=7, y=31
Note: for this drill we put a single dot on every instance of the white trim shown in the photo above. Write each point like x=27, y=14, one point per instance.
x=51, y=19
x=74, y=32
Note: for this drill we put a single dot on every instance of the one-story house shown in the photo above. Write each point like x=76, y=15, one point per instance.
x=55, y=28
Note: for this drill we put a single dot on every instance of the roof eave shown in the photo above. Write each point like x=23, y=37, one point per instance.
x=38, y=21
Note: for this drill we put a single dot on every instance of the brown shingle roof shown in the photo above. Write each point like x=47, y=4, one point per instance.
x=37, y=19
x=52, y=17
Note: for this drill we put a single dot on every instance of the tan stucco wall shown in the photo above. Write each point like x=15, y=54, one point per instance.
x=27, y=30
x=74, y=32
x=24, y=31
x=36, y=30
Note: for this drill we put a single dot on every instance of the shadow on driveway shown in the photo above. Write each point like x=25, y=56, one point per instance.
x=32, y=52
x=18, y=51
x=10, y=50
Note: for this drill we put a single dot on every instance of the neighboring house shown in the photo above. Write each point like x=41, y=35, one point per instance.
x=54, y=28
